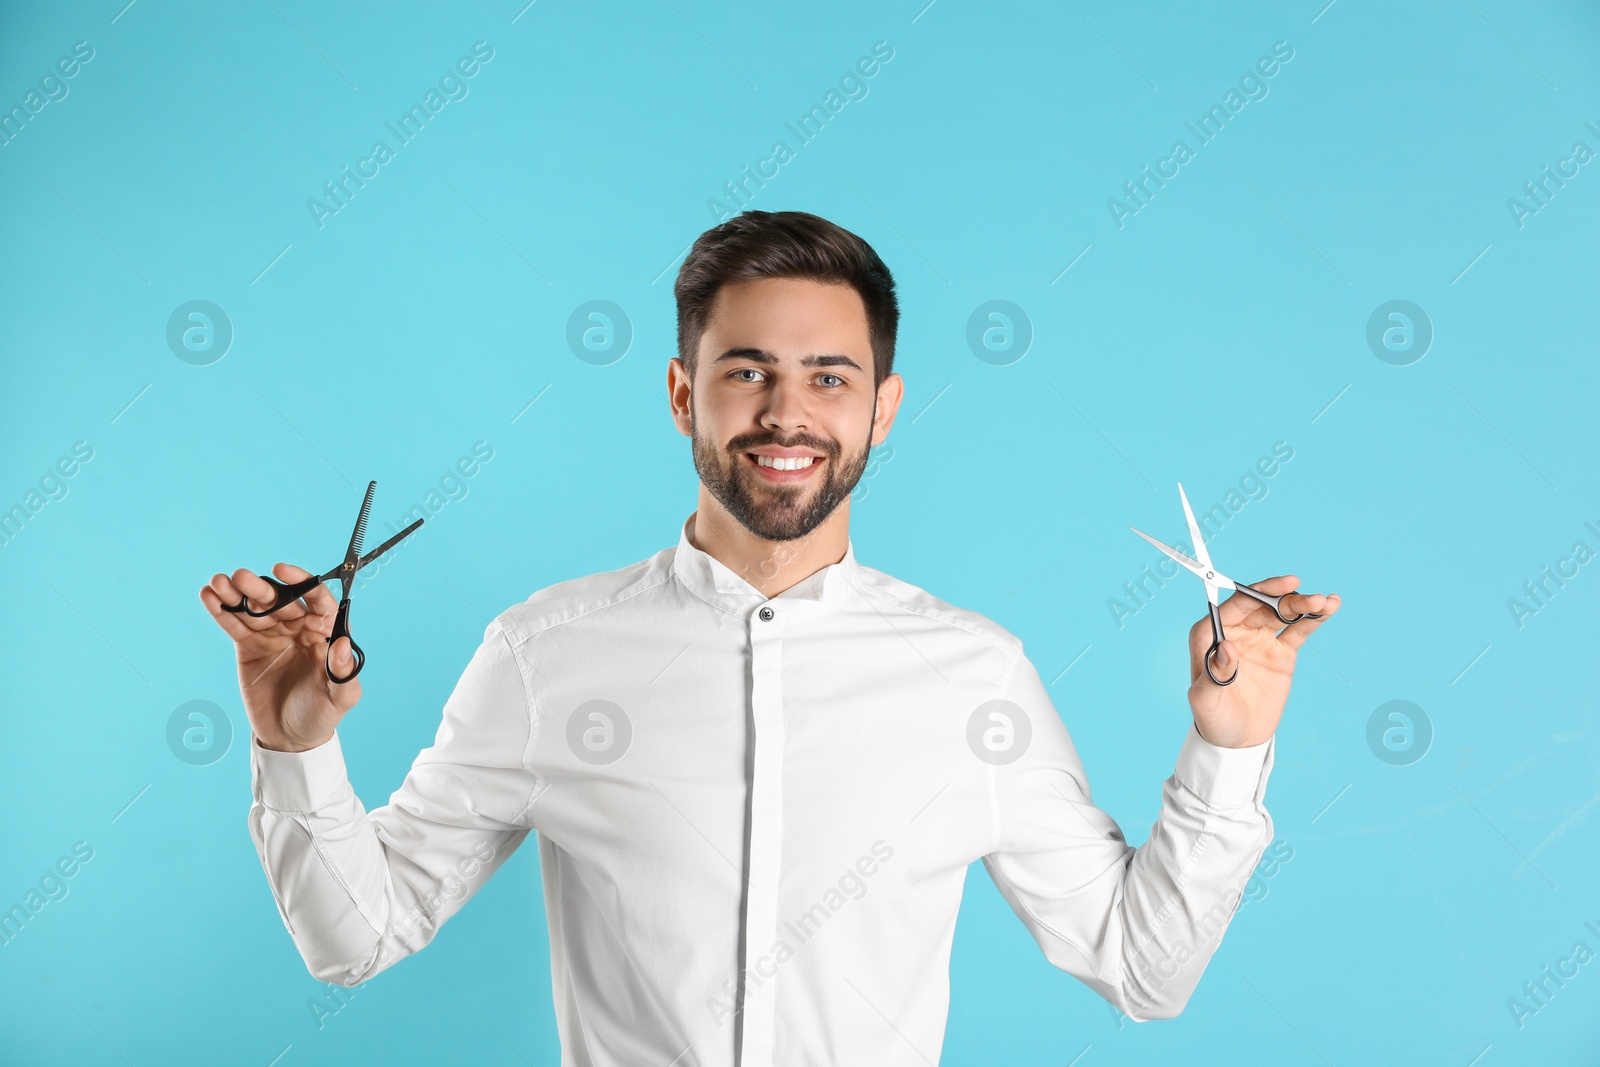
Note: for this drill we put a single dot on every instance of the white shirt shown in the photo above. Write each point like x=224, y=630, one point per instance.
x=771, y=802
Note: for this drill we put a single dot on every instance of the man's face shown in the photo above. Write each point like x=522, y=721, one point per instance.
x=784, y=373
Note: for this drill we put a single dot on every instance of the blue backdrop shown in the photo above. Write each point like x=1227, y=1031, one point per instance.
x=1369, y=270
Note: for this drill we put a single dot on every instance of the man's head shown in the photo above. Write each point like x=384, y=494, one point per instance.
x=786, y=331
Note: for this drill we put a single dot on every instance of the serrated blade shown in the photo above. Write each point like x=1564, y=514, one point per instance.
x=353, y=555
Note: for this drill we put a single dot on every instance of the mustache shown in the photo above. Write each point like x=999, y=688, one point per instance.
x=750, y=442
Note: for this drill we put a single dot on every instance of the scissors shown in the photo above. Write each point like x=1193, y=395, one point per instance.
x=345, y=573
x=1214, y=582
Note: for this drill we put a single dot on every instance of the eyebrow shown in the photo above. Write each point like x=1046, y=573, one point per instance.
x=761, y=355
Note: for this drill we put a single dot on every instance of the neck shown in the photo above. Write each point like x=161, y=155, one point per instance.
x=770, y=566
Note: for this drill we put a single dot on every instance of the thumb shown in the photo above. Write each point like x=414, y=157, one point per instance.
x=1226, y=660
x=343, y=694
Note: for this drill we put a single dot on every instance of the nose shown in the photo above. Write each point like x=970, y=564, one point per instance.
x=786, y=409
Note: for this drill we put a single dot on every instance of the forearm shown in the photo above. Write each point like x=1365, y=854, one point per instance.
x=1137, y=926
x=352, y=904
x=1184, y=884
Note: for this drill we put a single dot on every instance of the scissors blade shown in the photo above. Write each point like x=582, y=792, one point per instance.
x=1209, y=575
x=1221, y=581
x=1174, y=553
x=353, y=554
x=387, y=545
x=1194, y=531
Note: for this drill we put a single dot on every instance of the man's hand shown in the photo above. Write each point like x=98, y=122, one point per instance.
x=290, y=701
x=1246, y=712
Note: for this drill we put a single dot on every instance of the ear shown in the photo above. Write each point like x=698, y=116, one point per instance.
x=885, y=405
x=680, y=395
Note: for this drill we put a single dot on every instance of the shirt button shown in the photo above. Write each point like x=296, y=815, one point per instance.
x=766, y=614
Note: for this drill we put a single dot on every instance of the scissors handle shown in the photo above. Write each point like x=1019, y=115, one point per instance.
x=286, y=595
x=341, y=628
x=1216, y=643
x=1275, y=603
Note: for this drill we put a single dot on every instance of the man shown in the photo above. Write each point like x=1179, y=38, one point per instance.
x=759, y=770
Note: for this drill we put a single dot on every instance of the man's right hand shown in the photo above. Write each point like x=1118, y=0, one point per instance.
x=290, y=701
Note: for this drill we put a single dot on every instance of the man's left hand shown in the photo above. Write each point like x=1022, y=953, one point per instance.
x=1246, y=712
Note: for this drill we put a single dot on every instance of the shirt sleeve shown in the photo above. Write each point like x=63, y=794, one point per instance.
x=360, y=890
x=1138, y=926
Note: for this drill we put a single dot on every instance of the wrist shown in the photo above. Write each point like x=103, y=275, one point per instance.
x=285, y=745
x=1231, y=740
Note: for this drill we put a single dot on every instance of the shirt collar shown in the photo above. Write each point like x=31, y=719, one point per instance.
x=714, y=582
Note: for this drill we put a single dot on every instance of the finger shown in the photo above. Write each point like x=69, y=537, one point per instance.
x=318, y=600
x=251, y=584
x=1295, y=634
x=232, y=625
x=294, y=609
x=1304, y=604
x=1239, y=608
x=231, y=590
x=227, y=592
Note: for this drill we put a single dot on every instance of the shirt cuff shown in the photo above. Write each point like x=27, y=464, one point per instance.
x=1224, y=777
x=298, y=781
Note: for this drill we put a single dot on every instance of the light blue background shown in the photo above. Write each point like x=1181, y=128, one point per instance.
x=1227, y=315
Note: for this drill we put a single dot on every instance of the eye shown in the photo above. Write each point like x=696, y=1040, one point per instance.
x=835, y=377
x=746, y=370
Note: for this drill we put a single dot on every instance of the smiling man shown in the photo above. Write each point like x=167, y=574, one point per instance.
x=759, y=770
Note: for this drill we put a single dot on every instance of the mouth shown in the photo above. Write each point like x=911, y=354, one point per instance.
x=783, y=470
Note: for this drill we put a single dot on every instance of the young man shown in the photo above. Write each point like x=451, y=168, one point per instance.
x=758, y=769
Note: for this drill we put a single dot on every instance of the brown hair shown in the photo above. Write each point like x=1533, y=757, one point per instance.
x=785, y=244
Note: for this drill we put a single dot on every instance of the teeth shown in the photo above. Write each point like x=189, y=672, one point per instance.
x=795, y=464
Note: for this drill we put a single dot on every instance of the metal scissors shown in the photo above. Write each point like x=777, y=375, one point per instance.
x=1214, y=582
x=345, y=573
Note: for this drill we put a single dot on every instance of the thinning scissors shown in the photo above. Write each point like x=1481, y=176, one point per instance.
x=345, y=573
x=1214, y=582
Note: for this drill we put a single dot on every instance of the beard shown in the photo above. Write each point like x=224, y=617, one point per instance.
x=771, y=511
